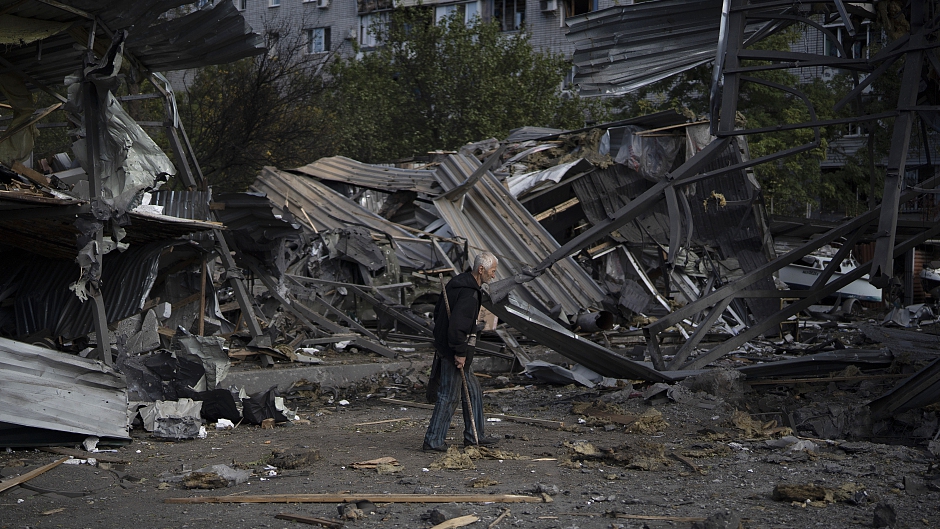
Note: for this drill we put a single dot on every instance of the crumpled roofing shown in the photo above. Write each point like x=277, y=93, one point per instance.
x=622, y=48
x=491, y=219
x=214, y=35
x=378, y=177
x=326, y=209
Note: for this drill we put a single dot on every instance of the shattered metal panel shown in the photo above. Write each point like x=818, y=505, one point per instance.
x=378, y=177
x=216, y=35
x=41, y=388
x=491, y=219
x=606, y=190
x=328, y=209
x=622, y=48
x=549, y=333
x=44, y=300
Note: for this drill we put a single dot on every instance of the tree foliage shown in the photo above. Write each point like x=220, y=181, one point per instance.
x=438, y=86
x=259, y=111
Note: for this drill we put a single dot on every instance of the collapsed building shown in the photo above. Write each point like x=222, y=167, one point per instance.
x=639, y=249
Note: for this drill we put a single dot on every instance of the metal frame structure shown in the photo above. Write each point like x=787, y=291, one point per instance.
x=734, y=61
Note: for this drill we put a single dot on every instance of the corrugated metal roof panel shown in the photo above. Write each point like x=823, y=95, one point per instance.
x=622, y=48
x=44, y=300
x=40, y=388
x=328, y=209
x=216, y=35
x=378, y=177
x=491, y=219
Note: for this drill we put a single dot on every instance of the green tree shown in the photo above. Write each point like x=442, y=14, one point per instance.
x=434, y=86
x=264, y=110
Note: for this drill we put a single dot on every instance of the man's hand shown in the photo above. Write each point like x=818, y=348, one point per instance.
x=459, y=361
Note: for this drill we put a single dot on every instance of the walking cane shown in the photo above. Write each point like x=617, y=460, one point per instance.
x=463, y=374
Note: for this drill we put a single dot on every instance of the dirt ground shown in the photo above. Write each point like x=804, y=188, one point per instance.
x=619, y=461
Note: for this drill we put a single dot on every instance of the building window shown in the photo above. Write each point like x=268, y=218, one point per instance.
x=467, y=12
x=509, y=13
x=856, y=47
x=241, y=5
x=274, y=3
x=318, y=40
x=579, y=7
x=370, y=26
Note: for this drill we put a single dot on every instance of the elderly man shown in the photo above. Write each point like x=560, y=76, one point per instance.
x=455, y=329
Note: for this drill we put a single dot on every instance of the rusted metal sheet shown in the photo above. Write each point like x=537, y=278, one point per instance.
x=492, y=220
x=49, y=390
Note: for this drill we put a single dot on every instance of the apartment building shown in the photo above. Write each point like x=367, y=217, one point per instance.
x=332, y=25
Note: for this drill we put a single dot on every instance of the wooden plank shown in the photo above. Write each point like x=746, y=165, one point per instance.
x=374, y=498
x=504, y=514
x=460, y=521
x=12, y=482
x=408, y=403
x=310, y=520
x=528, y=420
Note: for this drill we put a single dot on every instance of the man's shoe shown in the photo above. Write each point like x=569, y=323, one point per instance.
x=484, y=441
x=428, y=448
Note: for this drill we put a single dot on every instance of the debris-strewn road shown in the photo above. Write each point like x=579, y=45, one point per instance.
x=618, y=461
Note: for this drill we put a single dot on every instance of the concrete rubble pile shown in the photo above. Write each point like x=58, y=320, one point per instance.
x=610, y=263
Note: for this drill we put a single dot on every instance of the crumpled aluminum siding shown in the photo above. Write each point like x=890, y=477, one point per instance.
x=41, y=388
x=378, y=177
x=45, y=302
x=623, y=48
x=328, y=209
x=217, y=35
x=491, y=219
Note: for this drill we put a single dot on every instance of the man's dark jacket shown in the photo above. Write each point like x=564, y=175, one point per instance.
x=450, y=333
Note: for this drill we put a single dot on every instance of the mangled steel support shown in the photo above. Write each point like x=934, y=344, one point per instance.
x=883, y=265
x=90, y=261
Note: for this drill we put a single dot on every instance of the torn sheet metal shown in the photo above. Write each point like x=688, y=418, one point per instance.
x=130, y=162
x=49, y=390
x=520, y=185
x=620, y=49
x=492, y=220
x=378, y=177
x=313, y=202
x=541, y=328
x=215, y=35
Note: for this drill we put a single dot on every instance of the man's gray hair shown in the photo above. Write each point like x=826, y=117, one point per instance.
x=485, y=259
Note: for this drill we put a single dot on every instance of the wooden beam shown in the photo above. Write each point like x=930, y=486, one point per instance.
x=568, y=204
x=12, y=482
x=333, y=524
x=374, y=498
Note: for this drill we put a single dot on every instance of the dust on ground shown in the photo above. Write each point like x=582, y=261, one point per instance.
x=618, y=460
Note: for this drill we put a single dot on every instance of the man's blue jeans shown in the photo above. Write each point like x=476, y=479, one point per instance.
x=449, y=394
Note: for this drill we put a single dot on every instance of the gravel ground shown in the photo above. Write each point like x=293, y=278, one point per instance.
x=618, y=461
